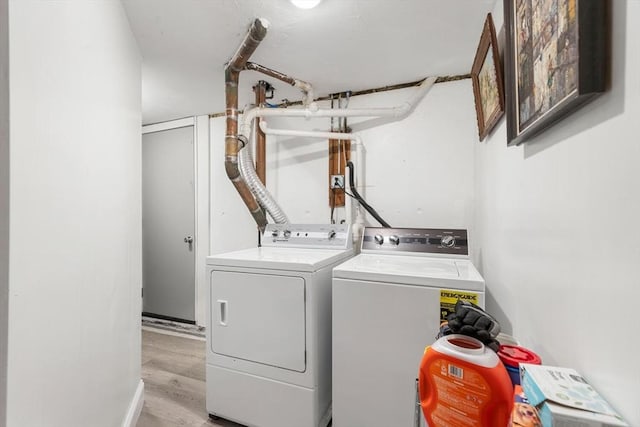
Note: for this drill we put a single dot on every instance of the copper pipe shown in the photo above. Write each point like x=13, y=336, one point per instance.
x=261, y=140
x=300, y=84
x=256, y=33
x=442, y=79
x=269, y=72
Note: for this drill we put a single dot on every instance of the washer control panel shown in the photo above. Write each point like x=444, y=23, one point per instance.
x=420, y=240
x=329, y=236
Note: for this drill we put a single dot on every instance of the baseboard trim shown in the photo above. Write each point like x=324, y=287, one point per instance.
x=135, y=408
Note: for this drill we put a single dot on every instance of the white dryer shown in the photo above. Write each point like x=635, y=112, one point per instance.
x=388, y=303
x=269, y=327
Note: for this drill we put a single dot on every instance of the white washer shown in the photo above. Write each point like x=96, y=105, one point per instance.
x=388, y=303
x=269, y=327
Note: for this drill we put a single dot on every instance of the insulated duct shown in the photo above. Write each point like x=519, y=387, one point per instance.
x=256, y=33
x=255, y=185
x=358, y=221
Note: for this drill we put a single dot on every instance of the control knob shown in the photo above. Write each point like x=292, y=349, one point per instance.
x=331, y=234
x=379, y=239
x=394, y=240
x=448, y=241
x=286, y=234
x=274, y=233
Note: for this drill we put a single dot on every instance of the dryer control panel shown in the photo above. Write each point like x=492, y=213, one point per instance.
x=416, y=240
x=315, y=236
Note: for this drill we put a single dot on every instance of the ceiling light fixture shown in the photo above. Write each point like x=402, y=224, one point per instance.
x=306, y=4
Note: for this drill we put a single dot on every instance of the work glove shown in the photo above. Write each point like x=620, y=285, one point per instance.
x=469, y=319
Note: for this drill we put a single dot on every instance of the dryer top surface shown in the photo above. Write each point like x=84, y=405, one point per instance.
x=289, y=259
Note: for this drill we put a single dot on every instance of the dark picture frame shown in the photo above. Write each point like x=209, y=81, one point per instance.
x=486, y=75
x=555, y=61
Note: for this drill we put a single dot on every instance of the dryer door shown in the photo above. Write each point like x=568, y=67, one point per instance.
x=259, y=318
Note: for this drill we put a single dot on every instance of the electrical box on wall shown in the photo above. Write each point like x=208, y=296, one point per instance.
x=339, y=155
x=337, y=182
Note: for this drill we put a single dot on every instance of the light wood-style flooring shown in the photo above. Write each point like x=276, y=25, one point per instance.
x=173, y=371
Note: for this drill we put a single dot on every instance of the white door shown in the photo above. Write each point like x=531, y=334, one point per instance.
x=259, y=318
x=168, y=216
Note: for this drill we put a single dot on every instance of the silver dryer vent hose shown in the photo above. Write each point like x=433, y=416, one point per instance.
x=260, y=192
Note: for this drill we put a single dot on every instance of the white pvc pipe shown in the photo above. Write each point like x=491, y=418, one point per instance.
x=358, y=223
x=312, y=110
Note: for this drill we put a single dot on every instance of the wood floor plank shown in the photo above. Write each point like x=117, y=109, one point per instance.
x=186, y=365
x=173, y=371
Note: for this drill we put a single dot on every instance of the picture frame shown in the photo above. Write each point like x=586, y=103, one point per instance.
x=486, y=75
x=556, y=61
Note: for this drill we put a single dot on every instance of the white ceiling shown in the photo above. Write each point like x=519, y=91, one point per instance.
x=340, y=45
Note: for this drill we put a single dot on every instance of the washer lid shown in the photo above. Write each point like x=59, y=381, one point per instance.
x=291, y=259
x=411, y=270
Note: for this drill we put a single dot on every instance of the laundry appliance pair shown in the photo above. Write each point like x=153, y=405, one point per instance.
x=300, y=330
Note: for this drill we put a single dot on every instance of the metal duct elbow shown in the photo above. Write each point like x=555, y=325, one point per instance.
x=254, y=36
x=257, y=32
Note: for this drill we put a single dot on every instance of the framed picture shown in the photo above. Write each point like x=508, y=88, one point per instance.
x=486, y=74
x=555, y=61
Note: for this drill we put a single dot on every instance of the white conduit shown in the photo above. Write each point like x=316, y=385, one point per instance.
x=397, y=113
x=312, y=110
x=358, y=223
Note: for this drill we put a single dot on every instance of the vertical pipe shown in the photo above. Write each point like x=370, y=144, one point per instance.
x=256, y=33
x=261, y=151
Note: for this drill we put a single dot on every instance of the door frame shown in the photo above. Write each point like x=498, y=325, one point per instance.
x=201, y=201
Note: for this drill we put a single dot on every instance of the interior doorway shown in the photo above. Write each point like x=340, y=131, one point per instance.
x=168, y=224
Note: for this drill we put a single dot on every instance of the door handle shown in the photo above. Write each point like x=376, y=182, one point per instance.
x=188, y=239
x=223, y=312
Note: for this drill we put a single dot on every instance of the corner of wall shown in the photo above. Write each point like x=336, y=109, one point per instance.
x=135, y=407
x=202, y=214
x=4, y=202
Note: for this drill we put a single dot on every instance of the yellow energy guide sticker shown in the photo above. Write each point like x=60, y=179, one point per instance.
x=449, y=298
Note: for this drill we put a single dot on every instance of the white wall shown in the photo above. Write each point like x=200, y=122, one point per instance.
x=419, y=172
x=557, y=231
x=416, y=175
x=202, y=215
x=75, y=264
x=4, y=202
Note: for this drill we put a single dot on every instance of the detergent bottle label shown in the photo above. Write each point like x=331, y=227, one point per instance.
x=462, y=394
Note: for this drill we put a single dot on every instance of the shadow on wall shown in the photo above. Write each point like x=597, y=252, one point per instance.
x=603, y=108
x=293, y=143
x=493, y=307
x=491, y=303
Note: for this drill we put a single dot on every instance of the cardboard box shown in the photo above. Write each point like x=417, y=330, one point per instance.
x=565, y=399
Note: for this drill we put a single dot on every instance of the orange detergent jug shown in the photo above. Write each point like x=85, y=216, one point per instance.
x=462, y=383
